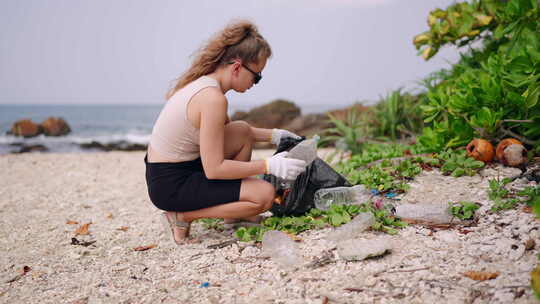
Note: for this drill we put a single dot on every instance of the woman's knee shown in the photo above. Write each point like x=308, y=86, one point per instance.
x=239, y=129
x=268, y=194
x=258, y=191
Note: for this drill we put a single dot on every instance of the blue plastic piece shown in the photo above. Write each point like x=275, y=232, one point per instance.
x=390, y=195
x=204, y=285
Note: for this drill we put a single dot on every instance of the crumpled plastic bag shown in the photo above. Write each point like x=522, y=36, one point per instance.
x=299, y=198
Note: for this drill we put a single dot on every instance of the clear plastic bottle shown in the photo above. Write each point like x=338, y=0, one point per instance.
x=306, y=151
x=281, y=249
x=341, y=195
x=352, y=229
x=429, y=213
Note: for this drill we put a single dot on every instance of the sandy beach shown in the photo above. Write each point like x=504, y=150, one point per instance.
x=45, y=198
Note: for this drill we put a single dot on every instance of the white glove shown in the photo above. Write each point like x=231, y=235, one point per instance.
x=278, y=134
x=285, y=168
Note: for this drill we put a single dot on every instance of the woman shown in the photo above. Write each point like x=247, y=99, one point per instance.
x=198, y=163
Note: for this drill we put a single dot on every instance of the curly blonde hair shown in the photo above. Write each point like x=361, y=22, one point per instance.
x=238, y=40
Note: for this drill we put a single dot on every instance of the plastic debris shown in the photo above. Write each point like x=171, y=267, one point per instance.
x=429, y=213
x=354, y=228
x=306, y=151
x=324, y=198
x=390, y=195
x=356, y=249
x=281, y=249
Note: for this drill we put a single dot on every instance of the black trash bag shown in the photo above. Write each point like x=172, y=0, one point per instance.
x=299, y=199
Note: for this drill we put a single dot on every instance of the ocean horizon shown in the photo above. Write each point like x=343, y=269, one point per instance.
x=91, y=124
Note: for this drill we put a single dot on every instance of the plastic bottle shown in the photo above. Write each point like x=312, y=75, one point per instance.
x=281, y=249
x=340, y=195
x=306, y=151
x=430, y=213
x=352, y=229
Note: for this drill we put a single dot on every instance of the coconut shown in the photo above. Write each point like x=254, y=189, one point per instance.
x=481, y=149
x=511, y=152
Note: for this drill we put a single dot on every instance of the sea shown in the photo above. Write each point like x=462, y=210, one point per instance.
x=102, y=124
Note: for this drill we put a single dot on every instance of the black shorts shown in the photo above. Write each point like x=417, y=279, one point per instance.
x=183, y=186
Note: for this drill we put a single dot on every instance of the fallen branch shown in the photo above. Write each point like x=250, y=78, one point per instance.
x=521, y=138
x=518, y=120
x=409, y=270
x=222, y=244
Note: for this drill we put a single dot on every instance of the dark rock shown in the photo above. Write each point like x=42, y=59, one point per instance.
x=25, y=128
x=341, y=114
x=31, y=148
x=93, y=145
x=55, y=126
x=273, y=115
x=308, y=125
x=121, y=145
x=286, y=115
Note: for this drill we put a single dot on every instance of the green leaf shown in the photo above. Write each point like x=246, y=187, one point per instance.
x=531, y=95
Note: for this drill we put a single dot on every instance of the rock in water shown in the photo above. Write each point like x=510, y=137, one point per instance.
x=55, y=126
x=357, y=250
x=25, y=128
x=32, y=148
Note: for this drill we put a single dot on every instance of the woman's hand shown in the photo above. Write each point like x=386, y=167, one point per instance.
x=285, y=168
x=278, y=134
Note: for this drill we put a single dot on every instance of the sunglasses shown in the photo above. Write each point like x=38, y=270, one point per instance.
x=256, y=76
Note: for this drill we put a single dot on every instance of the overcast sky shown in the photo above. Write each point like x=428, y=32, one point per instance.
x=326, y=52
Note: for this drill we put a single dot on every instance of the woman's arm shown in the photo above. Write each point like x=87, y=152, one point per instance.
x=272, y=135
x=212, y=131
x=260, y=134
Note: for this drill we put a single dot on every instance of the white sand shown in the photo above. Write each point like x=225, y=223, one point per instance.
x=39, y=193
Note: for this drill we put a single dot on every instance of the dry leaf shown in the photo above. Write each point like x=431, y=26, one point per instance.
x=481, y=275
x=144, y=248
x=465, y=231
x=123, y=228
x=81, y=301
x=83, y=230
x=529, y=244
x=70, y=222
x=527, y=209
x=293, y=237
x=109, y=215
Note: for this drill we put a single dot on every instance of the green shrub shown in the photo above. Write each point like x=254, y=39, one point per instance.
x=398, y=115
x=493, y=91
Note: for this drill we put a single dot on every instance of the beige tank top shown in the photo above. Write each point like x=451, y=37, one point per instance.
x=173, y=135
